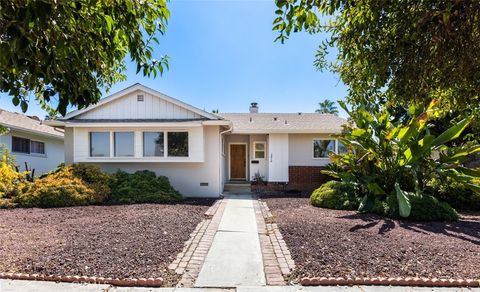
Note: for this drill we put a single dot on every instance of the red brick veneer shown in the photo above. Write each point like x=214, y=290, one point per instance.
x=306, y=178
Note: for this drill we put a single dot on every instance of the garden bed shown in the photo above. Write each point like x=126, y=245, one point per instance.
x=332, y=243
x=137, y=241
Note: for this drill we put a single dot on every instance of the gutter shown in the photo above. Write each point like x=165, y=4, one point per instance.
x=220, y=175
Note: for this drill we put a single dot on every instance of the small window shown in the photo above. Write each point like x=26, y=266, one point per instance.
x=124, y=144
x=259, y=150
x=100, y=144
x=140, y=97
x=37, y=147
x=177, y=144
x=341, y=148
x=153, y=144
x=20, y=145
x=322, y=148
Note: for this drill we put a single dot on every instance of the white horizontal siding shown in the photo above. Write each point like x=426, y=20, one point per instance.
x=128, y=107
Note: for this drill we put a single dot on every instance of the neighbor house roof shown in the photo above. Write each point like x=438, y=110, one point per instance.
x=284, y=122
x=25, y=123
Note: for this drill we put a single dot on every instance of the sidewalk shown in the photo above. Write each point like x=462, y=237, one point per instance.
x=42, y=286
x=235, y=257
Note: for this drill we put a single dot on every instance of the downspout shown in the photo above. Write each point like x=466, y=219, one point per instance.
x=220, y=169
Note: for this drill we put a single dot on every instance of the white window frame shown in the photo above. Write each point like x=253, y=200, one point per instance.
x=166, y=143
x=255, y=149
x=335, y=141
x=112, y=141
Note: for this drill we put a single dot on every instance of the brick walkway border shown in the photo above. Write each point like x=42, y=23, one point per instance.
x=418, y=282
x=130, y=282
x=277, y=260
x=189, y=262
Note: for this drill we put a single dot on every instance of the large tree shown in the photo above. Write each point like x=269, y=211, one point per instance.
x=327, y=107
x=70, y=50
x=401, y=52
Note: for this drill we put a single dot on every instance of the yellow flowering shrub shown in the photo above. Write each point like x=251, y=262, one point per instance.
x=59, y=189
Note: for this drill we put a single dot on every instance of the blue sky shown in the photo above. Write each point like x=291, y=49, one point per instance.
x=223, y=56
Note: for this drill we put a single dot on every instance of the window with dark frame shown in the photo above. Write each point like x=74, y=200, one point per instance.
x=177, y=144
x=20, y=145
x=27, y=146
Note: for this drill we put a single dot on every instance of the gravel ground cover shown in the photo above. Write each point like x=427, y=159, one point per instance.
x=331, y=243
x=137, y=241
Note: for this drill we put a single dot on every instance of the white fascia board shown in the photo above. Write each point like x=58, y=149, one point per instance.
x=217, y=123
x=54, y=123
x=132, y=125
x=279, y=131
x=141, y=87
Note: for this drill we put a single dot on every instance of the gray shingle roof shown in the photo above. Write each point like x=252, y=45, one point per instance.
x=22, y=122
x=284, y=122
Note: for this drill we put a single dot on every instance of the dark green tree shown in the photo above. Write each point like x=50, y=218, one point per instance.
x=398, y=52
x=70, y=50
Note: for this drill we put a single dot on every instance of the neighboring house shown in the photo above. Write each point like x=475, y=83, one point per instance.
x=140, y=128
x=32, y=142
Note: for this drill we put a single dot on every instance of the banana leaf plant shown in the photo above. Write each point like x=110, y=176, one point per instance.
x=385, y=157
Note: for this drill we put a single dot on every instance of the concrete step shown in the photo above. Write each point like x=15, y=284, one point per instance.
x=237, y=187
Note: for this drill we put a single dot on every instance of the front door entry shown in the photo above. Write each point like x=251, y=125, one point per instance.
x=238, y=161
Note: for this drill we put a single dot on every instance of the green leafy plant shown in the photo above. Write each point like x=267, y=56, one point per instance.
x=142, y=187
x=335, y=195
x=387, y=157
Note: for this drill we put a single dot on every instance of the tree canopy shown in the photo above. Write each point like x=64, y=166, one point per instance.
x=327, y=107
x=398, y=51
x=70, y=50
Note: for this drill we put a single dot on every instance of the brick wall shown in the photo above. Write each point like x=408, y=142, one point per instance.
x=306, y=178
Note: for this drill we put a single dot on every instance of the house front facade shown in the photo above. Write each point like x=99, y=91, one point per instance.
x=139, y=128
x=34, y=145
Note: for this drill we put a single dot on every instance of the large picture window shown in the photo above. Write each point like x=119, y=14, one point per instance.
x=124, y=144
x=27, y=146
x=321, y=148
x=100, y=144
x=153, y=144
x=177, y=144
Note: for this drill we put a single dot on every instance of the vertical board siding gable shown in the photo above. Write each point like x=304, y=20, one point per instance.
x=127, y=107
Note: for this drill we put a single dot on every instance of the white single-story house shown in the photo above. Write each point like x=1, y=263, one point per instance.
x=140, y=128
x=32, y=142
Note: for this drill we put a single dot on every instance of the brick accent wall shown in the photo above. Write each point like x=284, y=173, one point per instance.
x=306, y=178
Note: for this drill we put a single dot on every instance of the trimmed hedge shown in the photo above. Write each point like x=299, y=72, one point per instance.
x=142, y=187
x=335, y=195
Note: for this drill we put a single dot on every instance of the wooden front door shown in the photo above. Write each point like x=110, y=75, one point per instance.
x=238, y=160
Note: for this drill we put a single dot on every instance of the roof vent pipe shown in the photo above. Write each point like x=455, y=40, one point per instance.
x=253, y=108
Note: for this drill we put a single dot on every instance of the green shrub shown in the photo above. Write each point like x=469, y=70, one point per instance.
x=456, y=194
x=335, y=195
x=142, y=187
x=60, y=189
x=424, y=208
x=96, y=179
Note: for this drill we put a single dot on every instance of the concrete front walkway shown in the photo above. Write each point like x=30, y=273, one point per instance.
x=235, y=257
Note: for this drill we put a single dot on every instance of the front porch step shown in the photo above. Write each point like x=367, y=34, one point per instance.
x=237, y=187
